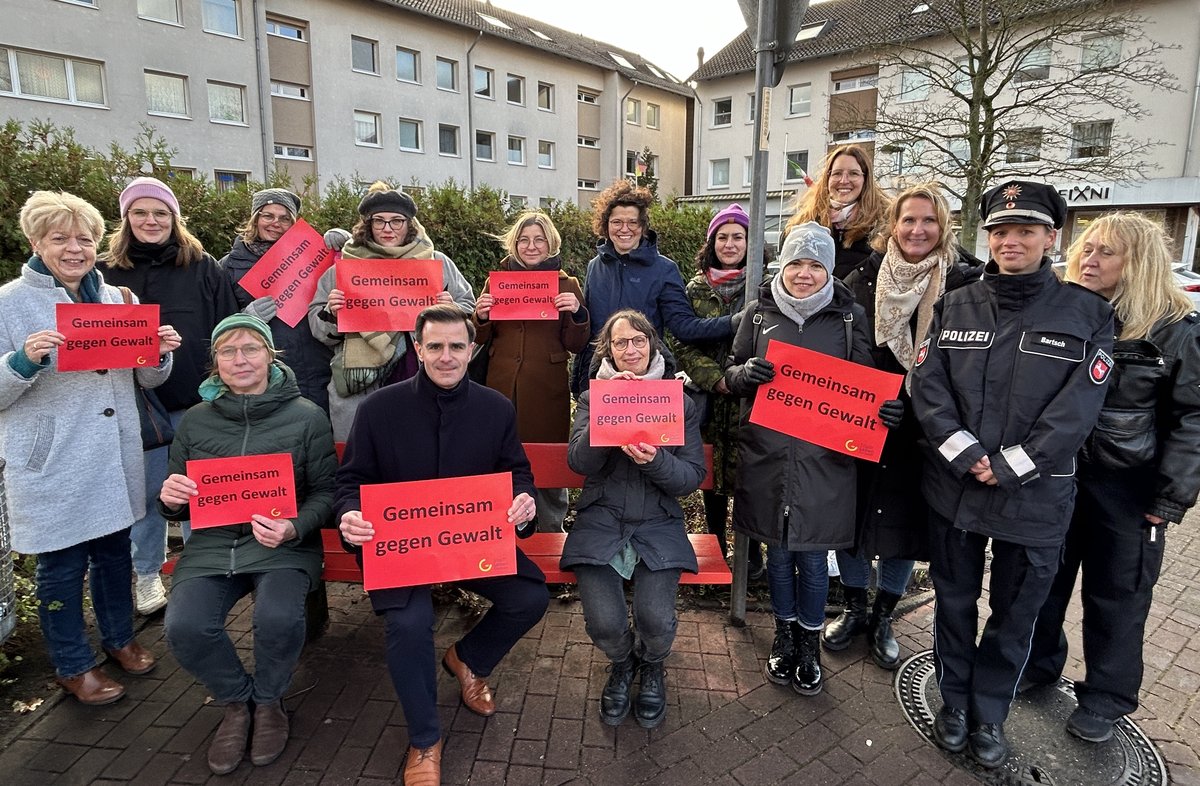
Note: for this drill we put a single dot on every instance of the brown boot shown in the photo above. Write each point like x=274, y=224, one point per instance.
x=133, y=658
x=228, y=747
x=93, y=687
x=423, y=766
x=476, y=694
x=270, y=733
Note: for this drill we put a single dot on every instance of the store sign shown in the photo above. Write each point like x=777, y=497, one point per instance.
x=1087, y=193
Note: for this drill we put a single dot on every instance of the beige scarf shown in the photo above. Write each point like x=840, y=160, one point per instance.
x=902, y=288
x=369, y=357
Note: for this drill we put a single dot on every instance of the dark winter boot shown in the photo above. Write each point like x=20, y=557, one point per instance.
x=614, y=701
x=807, y=678
x=851, y=622
x=782, y=661
x=651, y=705
x=884, y=649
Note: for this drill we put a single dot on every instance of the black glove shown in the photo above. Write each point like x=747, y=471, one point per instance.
x=758, y=371
x=891, y=412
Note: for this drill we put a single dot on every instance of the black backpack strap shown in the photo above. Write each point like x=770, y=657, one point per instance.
x=848, y=322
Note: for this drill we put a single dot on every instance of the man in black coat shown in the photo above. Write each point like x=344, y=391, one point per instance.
x=439, y=424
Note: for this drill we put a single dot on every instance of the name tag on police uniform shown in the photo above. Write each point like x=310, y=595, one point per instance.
x=1059, y=346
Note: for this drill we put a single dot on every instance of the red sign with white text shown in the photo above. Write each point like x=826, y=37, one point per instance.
x=628, y=411
x=106, y=335
x=386, y=294
x=431, y=531
x=825, y=400
x=232, y=489
x=523, y=295
x=289, y=271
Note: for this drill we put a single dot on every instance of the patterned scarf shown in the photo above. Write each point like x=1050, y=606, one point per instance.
x=902, y=288
x=726, y=283
x=840, y=212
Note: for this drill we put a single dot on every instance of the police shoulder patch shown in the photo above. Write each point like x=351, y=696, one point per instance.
x=922, y=352
x=1100, y=367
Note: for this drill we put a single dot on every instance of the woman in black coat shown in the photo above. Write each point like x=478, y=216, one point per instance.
x=916, y=262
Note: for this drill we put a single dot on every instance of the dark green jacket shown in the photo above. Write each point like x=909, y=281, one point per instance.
x=276, y=421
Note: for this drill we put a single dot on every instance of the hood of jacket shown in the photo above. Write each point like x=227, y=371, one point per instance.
x=244, y=255
x=645, y=254
x=281, y=388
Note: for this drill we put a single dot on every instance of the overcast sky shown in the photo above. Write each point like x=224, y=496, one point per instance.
x=665, y=32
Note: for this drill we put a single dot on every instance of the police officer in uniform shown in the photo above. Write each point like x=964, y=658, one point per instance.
x=1006, y=386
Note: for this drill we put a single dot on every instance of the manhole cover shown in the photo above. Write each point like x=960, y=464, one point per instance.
x=1042, y=752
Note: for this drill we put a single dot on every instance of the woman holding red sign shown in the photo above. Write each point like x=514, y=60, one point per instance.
x=252, y=406
x=363, y=362
x=629, y=526
x=74, y=448
x=528, y=358
x=795, y=496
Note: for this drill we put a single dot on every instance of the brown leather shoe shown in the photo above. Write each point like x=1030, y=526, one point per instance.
x=270, y=733
x=476, y=694
x=93, y=687
x=228, y=747
x=133, y=658
x=423, y=766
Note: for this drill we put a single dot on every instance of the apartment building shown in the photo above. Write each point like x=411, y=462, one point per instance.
x=416, y=91
x=830, y=94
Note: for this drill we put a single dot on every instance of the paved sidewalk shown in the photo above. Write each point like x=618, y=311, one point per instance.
x=725, y=724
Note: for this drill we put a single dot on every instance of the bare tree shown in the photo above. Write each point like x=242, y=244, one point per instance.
x=985, y=89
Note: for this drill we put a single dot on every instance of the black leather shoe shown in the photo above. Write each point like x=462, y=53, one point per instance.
x=614, y=701
x=885, y=650
x=950, y=729
x=782, y=660
x=651, y=705
x=851, y=622
x=1090, y=726
x=989, y=748
x=808, y=679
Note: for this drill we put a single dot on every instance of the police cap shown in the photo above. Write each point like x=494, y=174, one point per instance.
x=1022, y=202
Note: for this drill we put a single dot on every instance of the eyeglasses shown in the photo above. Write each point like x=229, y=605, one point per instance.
x=841, y=173
x=142, y=215
x=531, y=241
x=621, y=344
x=249, y=351
x=616, y=223
x=269, y=218
x=390, y=223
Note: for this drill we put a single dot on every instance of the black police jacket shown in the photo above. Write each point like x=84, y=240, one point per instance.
x=1015, y=369
x=1151, y=416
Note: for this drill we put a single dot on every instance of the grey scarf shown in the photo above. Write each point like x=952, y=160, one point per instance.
x=798, y=309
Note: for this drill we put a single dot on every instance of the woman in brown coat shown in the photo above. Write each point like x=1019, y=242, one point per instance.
x=528, y=358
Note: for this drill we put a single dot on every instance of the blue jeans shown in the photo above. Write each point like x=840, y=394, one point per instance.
x=606, y=616
x=107, y=564
x=148, y=535
x=195, y=630
x=799, y=584
x=856, y=572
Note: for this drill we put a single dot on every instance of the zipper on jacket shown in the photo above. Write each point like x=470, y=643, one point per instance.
x=246, y=423
x=787, y=517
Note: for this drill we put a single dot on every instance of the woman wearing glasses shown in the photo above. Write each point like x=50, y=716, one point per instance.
x=273, y=211
x=387, y=228
x=528, y=358
x=159, y=260
x=629, y=527
x=251, y=406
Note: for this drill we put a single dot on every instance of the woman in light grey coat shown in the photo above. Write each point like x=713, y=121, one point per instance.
x=73, y=446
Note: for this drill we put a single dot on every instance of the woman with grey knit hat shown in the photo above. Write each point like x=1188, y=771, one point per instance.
x=387, y=228
x=273, y=211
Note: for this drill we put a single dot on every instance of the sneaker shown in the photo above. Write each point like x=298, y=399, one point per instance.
x=1090, y=726
x=151, y=595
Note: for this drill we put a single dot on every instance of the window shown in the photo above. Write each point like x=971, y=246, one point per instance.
x=448, y=140
x=747, y=170
x=293, y=152
x=914, y=85
x=285, y=30
x=546, y=96
x=546, y=203
x=850, y=84
x=631, y=162
x=287, y=90
x=1091, y=140
x=485, y=146
x=587, y=141
x=586, y=97
x=517, y=201
x=36, y=75
x=1034, y=65
x=718, y=173
x=408, y=65
x=751, y=107
x=795, y=165
x=961, y=81
x=800, y=99
x=588, y=185
x=516, y=89
x=545, y=154
x=159, y=10
x=362, y=55
x=653, y=116
x=857, y=135
x=483, y=82
x=958, y=151
x=226, y=103
x=1099, y=53
x=633, y=111
x=1024, y=145
x=88, y=3
x=722, y=114
x=366, y=129
x=447, y=74
x=181, y=173
x=410, y=135
x=166, y=94
x=516, y=150
x=227, y=181
x=220, y=16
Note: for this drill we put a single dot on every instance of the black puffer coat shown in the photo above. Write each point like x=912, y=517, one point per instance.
x=793, y=493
